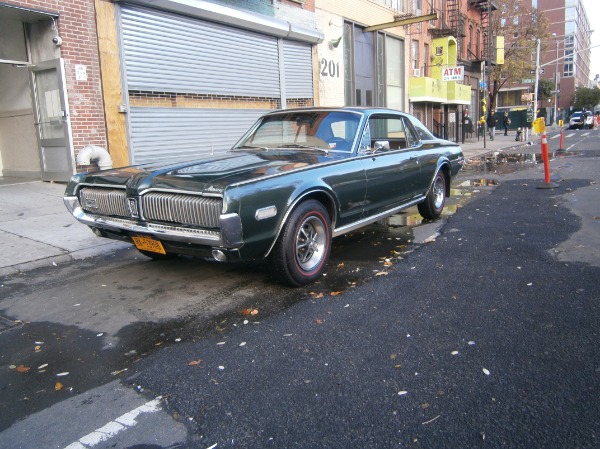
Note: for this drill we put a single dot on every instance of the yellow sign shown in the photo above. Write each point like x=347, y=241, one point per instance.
x=539, y=125
x=560, y=123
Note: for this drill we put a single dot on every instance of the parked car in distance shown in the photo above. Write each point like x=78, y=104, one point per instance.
x=295, y=180
x=581, y=120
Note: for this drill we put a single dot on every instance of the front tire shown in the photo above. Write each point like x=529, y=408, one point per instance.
x=303, y=248
x=433, y=205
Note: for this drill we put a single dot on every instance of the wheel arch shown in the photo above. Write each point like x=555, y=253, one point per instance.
x=326, y=198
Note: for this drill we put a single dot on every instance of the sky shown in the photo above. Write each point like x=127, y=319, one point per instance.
x=592, y=8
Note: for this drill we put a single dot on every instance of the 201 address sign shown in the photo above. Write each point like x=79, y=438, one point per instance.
x=330, y=68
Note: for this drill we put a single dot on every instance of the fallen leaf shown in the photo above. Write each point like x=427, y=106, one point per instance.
x=22, y=368
x=58, y=386
x=340, y=265
x=319, y=321
x=194, y=362
x=247, y=312
x=37, y=348
x=382, y=273
x=335, y=293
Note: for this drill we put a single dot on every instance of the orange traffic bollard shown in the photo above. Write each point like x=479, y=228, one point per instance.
x=545, y=157
x=562, y=140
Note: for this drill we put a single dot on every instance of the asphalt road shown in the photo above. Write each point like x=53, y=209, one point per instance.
x=484, y=337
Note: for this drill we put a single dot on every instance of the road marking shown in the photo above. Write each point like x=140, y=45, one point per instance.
x=555, y=137
x=585, y=134
x=112, y=428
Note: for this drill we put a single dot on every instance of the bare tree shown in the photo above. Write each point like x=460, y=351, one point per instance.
x=521, y=25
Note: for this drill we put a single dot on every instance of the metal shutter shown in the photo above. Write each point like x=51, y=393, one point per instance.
x=297, y=59
x=165, y=52
x=160, y=133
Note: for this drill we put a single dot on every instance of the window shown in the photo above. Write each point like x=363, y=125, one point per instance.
x=392, y=133
x=415, y=54
x=426, y=58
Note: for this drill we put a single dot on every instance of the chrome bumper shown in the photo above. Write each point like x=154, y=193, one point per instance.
x=229, y=235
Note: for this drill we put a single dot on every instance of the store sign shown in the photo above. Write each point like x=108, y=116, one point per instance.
x=453, y=73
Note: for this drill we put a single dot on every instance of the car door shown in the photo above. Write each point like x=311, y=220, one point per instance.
x=392, y=167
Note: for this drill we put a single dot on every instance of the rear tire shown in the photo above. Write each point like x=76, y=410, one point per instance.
x=302, y=250
x=433, y=205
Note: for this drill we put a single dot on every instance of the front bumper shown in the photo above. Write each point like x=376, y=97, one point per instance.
x=228, y=236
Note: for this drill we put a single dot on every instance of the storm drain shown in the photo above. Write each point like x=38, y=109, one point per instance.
x=6, y=324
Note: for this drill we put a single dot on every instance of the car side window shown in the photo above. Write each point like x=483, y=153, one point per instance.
x=365, y=142
x=389, y=133
x=412, y=137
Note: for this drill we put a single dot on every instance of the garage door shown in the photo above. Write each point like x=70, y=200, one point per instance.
x=195, y=86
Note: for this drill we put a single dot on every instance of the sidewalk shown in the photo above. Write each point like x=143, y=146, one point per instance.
x=36, y=230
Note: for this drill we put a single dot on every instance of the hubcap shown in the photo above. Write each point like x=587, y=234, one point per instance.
x=438, y=192
x=310, y=243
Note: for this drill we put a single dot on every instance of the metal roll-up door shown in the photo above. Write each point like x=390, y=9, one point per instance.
x=172, y=53
x=177, y=69
x=298, y=70
x=189, y=134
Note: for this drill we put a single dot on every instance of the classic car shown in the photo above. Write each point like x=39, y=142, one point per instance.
x=295, y=180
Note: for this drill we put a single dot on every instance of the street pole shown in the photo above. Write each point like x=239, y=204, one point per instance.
x=537, y=78
x=556, y=85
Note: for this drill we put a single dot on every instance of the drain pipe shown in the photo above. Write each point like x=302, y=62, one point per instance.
x=95, y=153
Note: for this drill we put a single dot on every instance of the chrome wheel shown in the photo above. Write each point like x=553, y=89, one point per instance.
x=439, y=192
x=311, y=241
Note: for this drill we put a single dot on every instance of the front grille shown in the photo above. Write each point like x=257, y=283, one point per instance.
x=183, y=209
x=99, y=201
x=179, y=209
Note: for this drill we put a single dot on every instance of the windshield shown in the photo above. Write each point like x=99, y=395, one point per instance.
x=323, y=130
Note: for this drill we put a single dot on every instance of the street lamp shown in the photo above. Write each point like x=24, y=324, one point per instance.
x=556, y=82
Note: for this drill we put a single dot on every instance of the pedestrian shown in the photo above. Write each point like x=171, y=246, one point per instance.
x=505, y=123
x=492, y=121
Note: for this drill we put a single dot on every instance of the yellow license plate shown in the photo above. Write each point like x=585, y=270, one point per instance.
x=145, y=243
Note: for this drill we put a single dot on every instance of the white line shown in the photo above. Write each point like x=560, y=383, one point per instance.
x=585, y=134
x=112, y=428
x=555, y=137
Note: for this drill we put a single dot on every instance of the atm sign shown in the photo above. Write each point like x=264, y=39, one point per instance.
x=453, y=73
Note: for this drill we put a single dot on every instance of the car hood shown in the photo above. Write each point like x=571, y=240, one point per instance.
x=208, y=175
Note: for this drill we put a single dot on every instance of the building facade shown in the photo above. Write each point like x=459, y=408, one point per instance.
x=456, y=40
x=566, y=55
x=90, y=83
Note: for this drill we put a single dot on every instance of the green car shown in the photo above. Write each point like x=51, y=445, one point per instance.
x=295, y=180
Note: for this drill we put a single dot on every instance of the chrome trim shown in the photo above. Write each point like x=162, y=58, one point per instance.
x=358, y=224
x=174, y=233
x=291, y=208
x=178, y=191
x=184, y=209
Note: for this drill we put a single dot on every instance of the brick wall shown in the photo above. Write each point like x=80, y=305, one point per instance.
x=77, y=28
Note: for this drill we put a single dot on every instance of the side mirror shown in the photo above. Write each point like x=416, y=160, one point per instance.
x=381, y=145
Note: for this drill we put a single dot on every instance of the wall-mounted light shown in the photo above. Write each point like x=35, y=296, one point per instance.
x=334, y=43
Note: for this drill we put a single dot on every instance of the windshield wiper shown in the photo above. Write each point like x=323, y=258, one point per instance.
x=250, y=147
x=297, y=145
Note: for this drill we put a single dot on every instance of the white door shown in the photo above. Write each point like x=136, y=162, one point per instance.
x=51, y=120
